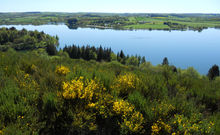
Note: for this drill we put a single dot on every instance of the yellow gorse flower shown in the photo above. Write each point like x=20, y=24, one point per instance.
x=132, y=119
x=123, y=84
x=192, y=125
x=122, y=107
x=159, y=125
x=62, y=70
x=91, y=105
x=78, y=88
x=155, y=129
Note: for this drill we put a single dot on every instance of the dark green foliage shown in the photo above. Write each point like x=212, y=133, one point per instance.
x=72, y=21
x=89, y=53
x=213, y=72
x=143, y=60
x=132, y=61
x=165, y=61
x=51, y=49
x=100, y=54
x=26, y=40
x=122, y=54
x=175, y=25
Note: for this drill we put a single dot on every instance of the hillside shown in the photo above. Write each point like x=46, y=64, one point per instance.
x=44, y=94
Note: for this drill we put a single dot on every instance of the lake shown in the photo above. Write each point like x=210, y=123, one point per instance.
x=183, y=49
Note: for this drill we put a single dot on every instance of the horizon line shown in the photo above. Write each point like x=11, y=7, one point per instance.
x=106, y=12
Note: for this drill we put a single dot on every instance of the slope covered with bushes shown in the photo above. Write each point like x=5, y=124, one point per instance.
x=41, y=94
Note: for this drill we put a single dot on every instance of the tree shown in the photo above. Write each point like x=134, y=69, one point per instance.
x=73, y=53
x=139, y=60
x=165, y=61
x=143, y=60
x=100, y=54
x=132, y=61
x=72, y=21
x=51, y=49
x=78, y=53
x=213, y=72
x=174, y=69
x=122, y=54
x=87, y=53
x=118, y=57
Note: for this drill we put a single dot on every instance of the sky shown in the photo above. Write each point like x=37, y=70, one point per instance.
x=112, y=6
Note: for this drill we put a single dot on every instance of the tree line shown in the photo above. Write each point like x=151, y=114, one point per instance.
x=89, y=53
x=102, y=54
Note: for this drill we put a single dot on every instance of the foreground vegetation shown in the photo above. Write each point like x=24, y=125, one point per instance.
x=116, y=21
x=103, y=94
x=41, y=94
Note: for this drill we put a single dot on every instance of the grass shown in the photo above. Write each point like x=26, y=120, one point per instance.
x=147, y=26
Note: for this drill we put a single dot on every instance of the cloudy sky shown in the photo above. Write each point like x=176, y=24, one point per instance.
x=114, y=6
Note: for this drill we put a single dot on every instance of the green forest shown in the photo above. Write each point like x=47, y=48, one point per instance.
x=94, y=91
x=25, y=40
x=127, y=21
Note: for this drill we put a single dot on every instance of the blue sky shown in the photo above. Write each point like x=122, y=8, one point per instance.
x=114, y=6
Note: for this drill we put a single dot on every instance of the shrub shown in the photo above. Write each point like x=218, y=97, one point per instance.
x=62, y=70
x=125, y=84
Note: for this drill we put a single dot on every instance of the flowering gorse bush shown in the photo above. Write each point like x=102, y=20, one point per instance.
x=124, y=84
x=180, y=124
x=103, y=105
x=82, y=89
x=62, y=70
x=193, y=125
x=159, y=126
x=122, y=107
x=131, y=120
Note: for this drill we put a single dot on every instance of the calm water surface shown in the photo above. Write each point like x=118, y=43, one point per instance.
x=183, y=48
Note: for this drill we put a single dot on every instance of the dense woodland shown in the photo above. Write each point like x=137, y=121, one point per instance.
x=66, y=93
x=25, y=40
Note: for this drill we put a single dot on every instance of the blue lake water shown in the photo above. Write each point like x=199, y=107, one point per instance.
x=183, y=49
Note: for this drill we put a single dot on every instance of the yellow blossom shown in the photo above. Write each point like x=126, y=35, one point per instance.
x=125, y=83
x=62, y=70
x=91, y=105
x=78, y=88
x=155, y=129
x=122, y=107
